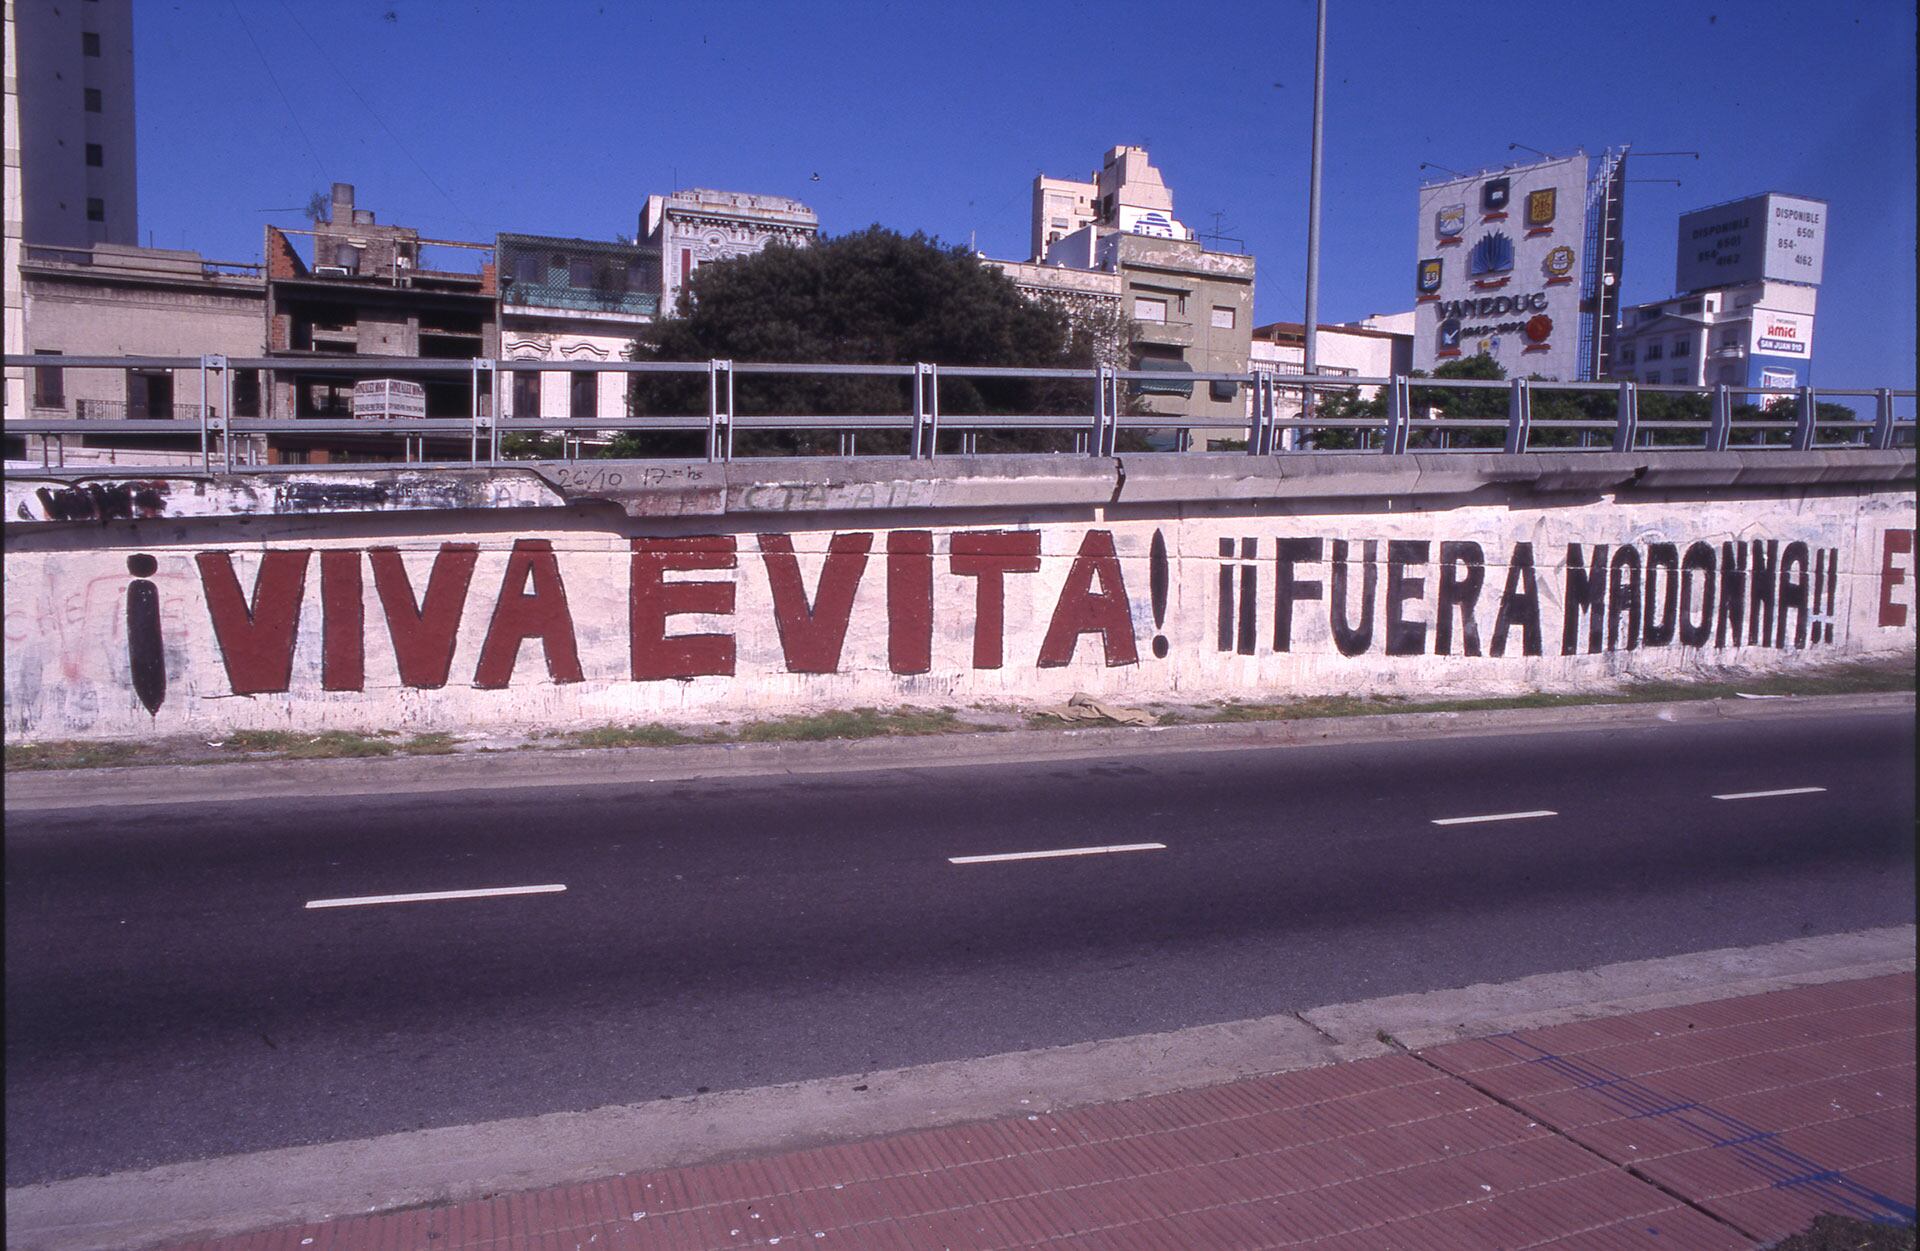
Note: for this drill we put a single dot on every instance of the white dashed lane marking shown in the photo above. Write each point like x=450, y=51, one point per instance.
x=361, y=901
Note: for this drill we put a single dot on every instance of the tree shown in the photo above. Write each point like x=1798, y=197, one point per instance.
x=871, y=297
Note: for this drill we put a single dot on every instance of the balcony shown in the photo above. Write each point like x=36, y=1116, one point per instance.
x=1164, y=333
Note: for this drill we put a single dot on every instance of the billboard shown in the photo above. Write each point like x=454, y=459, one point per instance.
x=1499, y=269
x=1156, y=223
x=1771, y=236
x=1780, y=334
x=386, y=398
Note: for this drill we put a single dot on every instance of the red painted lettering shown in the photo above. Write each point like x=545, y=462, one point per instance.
x=651, y=599
x=811, y=637
x=1893, y=543
x=520, y=615
x=423, y=637
x=1082, y=610
x=990, y=555
x=910, y=601
x=256, y=640
x=343, y=623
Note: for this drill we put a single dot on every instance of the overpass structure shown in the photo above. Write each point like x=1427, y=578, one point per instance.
x=1508, y=552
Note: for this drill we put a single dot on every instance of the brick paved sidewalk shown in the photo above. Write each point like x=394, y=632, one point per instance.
x=1723, y=1124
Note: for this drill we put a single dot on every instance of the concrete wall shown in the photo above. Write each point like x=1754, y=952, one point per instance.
x=577, y=595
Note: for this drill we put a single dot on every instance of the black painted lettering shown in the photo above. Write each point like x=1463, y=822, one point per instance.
x=1793, y=594
x=1519, y=605
x=1760, y=592
x=1698, y=560
x=1663, y=594
x=1289, y=589
x=1351, y=640
x=1623, y=598
x=1586, y=592
x=1733, y=593
x=1462, y=571
x=1405, y=638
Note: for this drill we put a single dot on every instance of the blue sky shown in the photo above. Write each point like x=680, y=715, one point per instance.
x=559, y=116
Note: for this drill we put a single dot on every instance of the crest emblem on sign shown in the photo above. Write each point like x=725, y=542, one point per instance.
x=1492, y=255
x=1449, y=222
x=1540, y=207
x=1494, y=194
x=1558, y=265
x=1429, y=279
x=1539, y=329
x=1449, y=337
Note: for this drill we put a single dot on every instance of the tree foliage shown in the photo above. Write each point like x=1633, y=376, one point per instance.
x=873, y=297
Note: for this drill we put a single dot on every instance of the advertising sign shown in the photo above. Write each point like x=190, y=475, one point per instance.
x=1516, y=297
x=1155, y=223
x=1771, y=236
x=380, y=399
x=1781, y=334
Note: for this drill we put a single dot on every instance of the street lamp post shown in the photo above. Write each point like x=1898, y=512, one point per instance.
x=1313, y=207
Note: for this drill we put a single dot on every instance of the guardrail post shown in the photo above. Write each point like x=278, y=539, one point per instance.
x=1399, y=400
x=1883, y=419
x=213, y=417
x=926, y=411
x=719, y=410
x=1106, y=413
x=933, y=410
x=1260, y=423
x=1627, y=424
x=1720, y=427
x=483, y=422
x=1519, y=416
x=1803, y=420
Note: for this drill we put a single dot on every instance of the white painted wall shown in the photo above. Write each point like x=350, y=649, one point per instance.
x=67, y=590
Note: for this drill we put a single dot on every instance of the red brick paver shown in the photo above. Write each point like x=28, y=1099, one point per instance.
x=1720, y=1125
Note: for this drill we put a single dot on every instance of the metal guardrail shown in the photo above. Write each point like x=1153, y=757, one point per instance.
x=1409, y=418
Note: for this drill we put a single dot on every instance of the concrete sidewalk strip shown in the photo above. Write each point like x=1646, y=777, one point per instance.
x=1707, y=1123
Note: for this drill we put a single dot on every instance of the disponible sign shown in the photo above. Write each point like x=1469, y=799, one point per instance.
x=382, y=399
x=1772, y=236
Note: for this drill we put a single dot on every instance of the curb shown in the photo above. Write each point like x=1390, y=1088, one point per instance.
x=237, y=1194
x=42, y=790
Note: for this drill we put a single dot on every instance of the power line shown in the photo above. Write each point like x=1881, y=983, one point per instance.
x=267, y=66
x=371, y=112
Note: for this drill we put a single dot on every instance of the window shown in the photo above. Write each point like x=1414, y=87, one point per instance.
x=526, y=394
x=1655, y=351
x=1222, y=318
x=580, y=274
x=1146, y=308
x=92, y=99
x=49, y=384
x=96, y=157
x=583, y=393
x=527, y=269
x=1689, y=306
x=89, y=43
x=246, y=393
x=1626, y=354
x=1683, y=346
x=96, y=209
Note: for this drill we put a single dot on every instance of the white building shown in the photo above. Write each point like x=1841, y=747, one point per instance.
x=1757, y=335
x=572, y=300
x=689, y=228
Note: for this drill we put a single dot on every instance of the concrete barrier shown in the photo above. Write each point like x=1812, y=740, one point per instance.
x=567, y=594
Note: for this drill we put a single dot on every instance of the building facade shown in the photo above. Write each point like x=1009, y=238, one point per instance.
x=1757, y=336
x=368, y=291
x=1113, y=243
x=689, y=228
x=1522, y=264
x=571, y=300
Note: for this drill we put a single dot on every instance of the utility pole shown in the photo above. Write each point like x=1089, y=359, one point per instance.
x=1313, y=205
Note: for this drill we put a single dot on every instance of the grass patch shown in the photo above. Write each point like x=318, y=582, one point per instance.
x=327, y=744
x=72, y=754
x=654, y=735
x=854, y=723
x=432, y=743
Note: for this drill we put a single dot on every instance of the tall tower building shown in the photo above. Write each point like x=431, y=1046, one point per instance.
x=73, y=74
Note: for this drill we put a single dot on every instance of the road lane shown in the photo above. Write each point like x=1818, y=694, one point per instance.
x=168, y=998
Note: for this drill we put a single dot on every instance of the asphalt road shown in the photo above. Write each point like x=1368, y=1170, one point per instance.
x=170, y=995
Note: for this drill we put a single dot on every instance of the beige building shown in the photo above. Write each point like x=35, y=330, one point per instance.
x=1113, y=240
x=572, y=300
x=111, y=300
